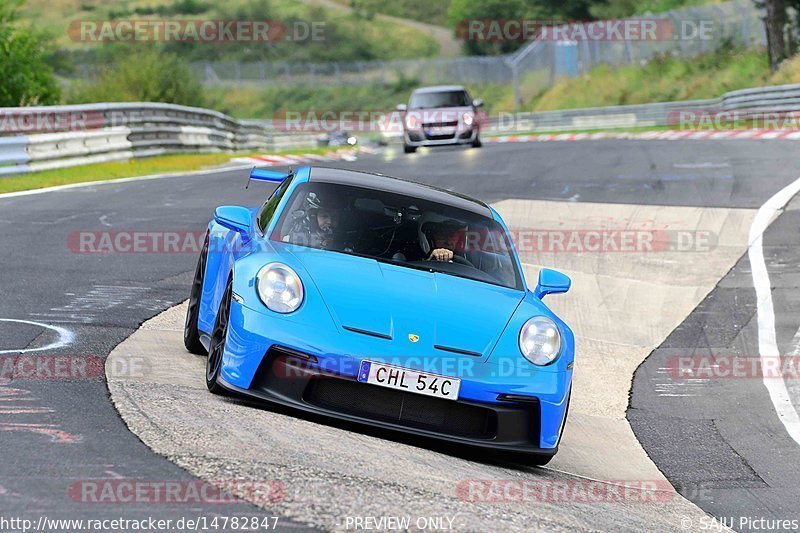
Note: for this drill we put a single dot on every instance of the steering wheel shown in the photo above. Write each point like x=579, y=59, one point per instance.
x=463, y=261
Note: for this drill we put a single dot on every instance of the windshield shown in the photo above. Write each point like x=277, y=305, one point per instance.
x=439, y=99
x=399, y=229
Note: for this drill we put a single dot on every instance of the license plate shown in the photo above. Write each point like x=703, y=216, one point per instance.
x=441, y=131
x=394, y=377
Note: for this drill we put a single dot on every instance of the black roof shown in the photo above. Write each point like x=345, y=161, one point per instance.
x=399, y=186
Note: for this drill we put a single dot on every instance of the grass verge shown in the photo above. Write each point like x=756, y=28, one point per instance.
x=664, y=79
x=125, y=169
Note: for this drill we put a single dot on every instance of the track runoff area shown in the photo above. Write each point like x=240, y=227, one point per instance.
x=678, y=250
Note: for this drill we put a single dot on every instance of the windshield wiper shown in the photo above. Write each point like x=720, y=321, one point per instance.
x=402, y=263
x=429, y=268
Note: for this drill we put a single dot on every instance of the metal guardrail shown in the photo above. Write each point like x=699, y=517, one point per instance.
x=106, y=132
x=628, y=116
x=764, y=99
x=55, y=150
x=777, y=100
x=14, y=157
x=41, y=138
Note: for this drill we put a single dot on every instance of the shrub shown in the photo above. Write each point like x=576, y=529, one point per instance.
x=25, y=76
x=146, y=75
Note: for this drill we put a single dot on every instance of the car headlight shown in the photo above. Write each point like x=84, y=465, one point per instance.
x=468, y=118
x=540, y=341
x=411, y=122
x=279, y=287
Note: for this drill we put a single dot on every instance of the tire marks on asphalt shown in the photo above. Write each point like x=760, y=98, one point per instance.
x=725, y=447
x=515, y=172
x=604, y=307
x=94, y=305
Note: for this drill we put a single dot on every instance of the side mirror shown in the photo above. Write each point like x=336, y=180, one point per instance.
x=478, y=102
x=233, y=217
x=551, y=282
x=402, y=107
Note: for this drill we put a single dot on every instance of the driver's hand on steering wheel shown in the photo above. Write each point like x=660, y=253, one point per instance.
x=441, y=254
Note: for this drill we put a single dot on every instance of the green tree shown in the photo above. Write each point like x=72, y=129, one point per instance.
x=25, y=76
x=566, y=10
x=545, y=11
x=462, y=12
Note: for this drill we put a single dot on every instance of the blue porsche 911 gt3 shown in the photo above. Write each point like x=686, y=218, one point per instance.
x=385, y=302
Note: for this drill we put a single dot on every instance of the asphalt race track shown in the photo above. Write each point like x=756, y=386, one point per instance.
x=720, y=444
x=720, y=439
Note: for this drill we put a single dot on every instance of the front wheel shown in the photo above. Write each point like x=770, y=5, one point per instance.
x=477, y=142
x=409, y=149
x=191, y=334
x=219, y=337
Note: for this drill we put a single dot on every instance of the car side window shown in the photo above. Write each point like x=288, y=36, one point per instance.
x=271, y=204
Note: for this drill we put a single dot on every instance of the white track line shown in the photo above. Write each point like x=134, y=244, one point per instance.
x=767, y=338
x=606, y=481
x=795, y=351
x=65, y=336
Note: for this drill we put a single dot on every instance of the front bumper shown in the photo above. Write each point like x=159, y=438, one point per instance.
x=419, y=138
x=273, y=359
x=287, y=380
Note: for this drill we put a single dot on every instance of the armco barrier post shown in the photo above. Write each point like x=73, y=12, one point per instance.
x=14, y=157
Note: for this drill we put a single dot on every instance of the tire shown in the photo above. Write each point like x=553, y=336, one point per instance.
x=191, y=334
x=219, y=338
x=409, y=149
x=477, y=142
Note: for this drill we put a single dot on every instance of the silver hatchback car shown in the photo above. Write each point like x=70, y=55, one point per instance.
x=440, y=115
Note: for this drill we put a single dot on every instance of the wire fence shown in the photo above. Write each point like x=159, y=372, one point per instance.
x=684, y=32
x=462, y=69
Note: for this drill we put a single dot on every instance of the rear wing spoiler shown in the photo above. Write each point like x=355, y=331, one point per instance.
x=272, y=176
x=275, y=176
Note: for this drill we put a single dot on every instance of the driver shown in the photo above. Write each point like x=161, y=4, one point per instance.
x=444, y=238
x=317, y=227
